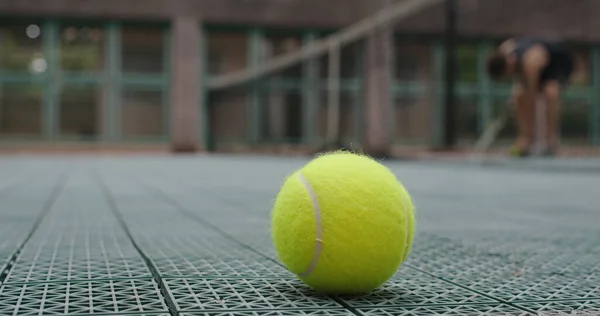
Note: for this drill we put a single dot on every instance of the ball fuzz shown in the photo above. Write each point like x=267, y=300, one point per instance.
x=343, y=223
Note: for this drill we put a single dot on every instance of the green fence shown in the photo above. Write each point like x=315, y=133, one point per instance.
x=69, y=81
x=110, y=81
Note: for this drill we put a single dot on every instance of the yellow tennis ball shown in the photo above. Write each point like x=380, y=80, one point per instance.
x=343, y=223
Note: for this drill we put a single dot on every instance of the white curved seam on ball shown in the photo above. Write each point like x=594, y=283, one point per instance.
x=319, y=238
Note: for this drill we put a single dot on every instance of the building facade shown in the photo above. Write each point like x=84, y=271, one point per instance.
x=136, y=72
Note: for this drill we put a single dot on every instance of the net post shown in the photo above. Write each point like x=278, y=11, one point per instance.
x=254, y=58
x=185, y=82
x=449, y=122
x=595, y=97
x=378, y=105
x=310, y=93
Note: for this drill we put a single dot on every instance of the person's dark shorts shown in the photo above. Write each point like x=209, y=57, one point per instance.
x=561, y=73
x=562, y=77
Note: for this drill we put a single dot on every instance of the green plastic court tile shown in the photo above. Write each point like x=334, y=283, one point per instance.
x=290, y=312
x=473, y=263
x=79, y=254
x=573, y=307
x=427, y=245
x=411, y=287
x=465, y=265
x=61, y=269
x=79, y=245
x=265, y=249
x=581, y=264
x=472, y=309
x=533, y=287
x=167, y=246
x=107, y=297
x=532, y=243
x=215, y=268
x=11, y=238
x=593, y=277
x=434, y=252
x=5, y=258
x=244, y=295
x=5, y=255
x=259, y=240
x=8, y=246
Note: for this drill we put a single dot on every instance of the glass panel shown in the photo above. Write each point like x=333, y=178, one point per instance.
x=80, y=111
x=347, y=125
x=575, y=117
x=467, y=120
x=21, y=110
x=228, y=115
x=275, y=45
x=143, y=50
x=351, y=62
x=412, y=117
x=226, y=52
x=282, y=117
x=412, y=62
x=142, y=114
x=82, y=48
x=467, y=63
x=21, y=48
x=413, y=110
x=582, y=73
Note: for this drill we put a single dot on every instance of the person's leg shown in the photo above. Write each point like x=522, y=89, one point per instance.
x=552, y=94
x=525, y=111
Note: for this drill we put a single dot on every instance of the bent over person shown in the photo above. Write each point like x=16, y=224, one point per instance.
x=542, y=68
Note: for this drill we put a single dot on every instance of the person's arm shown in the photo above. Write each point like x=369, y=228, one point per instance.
x=507, y=46
x=534, y=60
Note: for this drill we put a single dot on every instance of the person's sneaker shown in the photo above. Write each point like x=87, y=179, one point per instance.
x=515, y=151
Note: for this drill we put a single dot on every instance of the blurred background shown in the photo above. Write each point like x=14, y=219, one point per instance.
x=138, y=73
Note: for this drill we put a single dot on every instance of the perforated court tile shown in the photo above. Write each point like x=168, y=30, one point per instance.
x=190, y=266
x=533, y=287
x=5, y=255
x=464, y=264
x=536, y=243
x=245, y=294
x=11, y=236
x=167, y=245
x=79, y=245
x=288, y=312
x=570, y=307
x=106, y=297
x=260, y=241
x=68, y=269
x=411, y=287
x=472, y=263
x=428, y=310
x=558, y=263
x=593, y=277
x=426, y=244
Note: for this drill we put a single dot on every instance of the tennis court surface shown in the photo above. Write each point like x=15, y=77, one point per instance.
x=190, y=236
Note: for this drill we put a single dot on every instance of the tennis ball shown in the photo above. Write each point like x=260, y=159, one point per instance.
x=343, y=223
